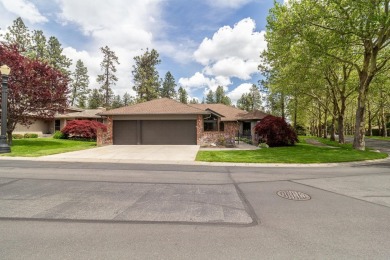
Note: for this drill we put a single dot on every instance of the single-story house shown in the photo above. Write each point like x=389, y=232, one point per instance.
x=166, y=121
x=49, y=126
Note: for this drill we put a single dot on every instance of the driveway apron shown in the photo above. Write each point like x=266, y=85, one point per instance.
x=131, y=153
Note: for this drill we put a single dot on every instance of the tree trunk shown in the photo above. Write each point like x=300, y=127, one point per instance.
x=369, y=131
x=333, y=129
x=333, y=126
x=383, y=122
x=326, y=124
x=295, y=112
x=9, y=138
x=319, y=124
x=358, y=140
x=382, y=115
x=341, y=129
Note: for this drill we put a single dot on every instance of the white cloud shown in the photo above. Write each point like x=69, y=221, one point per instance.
x=199, y=81
x=233, y=67
x=236, y=93
x=231, y=52
x=181, y=52
x=242, y=42
x=228, y=3
x=116, y=22
x=25, y=9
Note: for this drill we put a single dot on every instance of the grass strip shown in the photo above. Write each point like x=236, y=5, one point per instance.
x=300, y=153
x=36, y=147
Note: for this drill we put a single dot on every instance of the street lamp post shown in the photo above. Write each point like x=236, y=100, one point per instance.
x=4, y=147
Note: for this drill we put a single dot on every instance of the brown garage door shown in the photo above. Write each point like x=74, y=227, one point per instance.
x=158, y=132
x=174, y=132
x=124, y=132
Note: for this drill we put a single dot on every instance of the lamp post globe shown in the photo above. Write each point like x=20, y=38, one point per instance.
x=5, y=71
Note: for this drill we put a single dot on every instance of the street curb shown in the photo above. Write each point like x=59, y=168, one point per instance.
x=195, y=163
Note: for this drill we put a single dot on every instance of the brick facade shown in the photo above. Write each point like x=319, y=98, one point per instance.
x=105, y=138
x=199, y=129
x=220, y=138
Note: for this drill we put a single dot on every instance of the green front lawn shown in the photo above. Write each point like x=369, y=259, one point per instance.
x=300, y=153
x=35, y=147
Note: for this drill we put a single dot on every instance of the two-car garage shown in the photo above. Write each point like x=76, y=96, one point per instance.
x=154, y=132
x=157, y=122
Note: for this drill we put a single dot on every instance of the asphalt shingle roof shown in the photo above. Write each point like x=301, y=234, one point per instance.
x=88, y=113
x=229, y=113
x=162, y=106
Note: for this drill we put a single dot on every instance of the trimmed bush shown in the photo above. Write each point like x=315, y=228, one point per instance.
x=82, y=129
x=59, y=135
x=274, y=131
x=17, y=136
x=28, y=135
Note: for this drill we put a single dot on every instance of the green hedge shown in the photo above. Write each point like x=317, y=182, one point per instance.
x=17, y=136
x=28, y=135
x=59, y=135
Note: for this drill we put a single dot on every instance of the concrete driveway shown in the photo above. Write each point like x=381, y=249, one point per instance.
x=130, y=153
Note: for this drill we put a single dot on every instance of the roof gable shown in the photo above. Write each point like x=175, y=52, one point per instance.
x=229, y=113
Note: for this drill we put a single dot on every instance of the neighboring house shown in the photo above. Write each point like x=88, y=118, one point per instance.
x=166, y=121
x=44, y=126
x=222, y=114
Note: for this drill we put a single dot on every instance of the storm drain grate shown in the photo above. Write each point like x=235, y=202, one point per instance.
x=293, y=195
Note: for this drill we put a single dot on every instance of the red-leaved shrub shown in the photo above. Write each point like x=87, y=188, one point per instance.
x=276, y=132
x=83, y=129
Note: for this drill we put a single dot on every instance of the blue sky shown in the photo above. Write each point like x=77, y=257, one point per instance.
x=203, y=43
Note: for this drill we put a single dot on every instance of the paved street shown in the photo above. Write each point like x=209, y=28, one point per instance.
x=62, y=210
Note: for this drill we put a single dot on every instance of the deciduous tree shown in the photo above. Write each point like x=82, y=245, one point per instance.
x=352, y=32
x=36, y=90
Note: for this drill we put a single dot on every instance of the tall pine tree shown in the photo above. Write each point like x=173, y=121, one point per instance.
x=79, y=85
x=95, y=99
x=19, y=35
x=128, y=99
x=55, y=57
x=107, y=78
x=146, y=78
x=117, y=102
x=39, y=46
x=210, y=97
x=183, y=95
x=221, y=98
x=168, y=87
x=255, y=97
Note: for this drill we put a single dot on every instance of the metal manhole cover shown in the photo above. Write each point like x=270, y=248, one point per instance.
x=293, y=195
